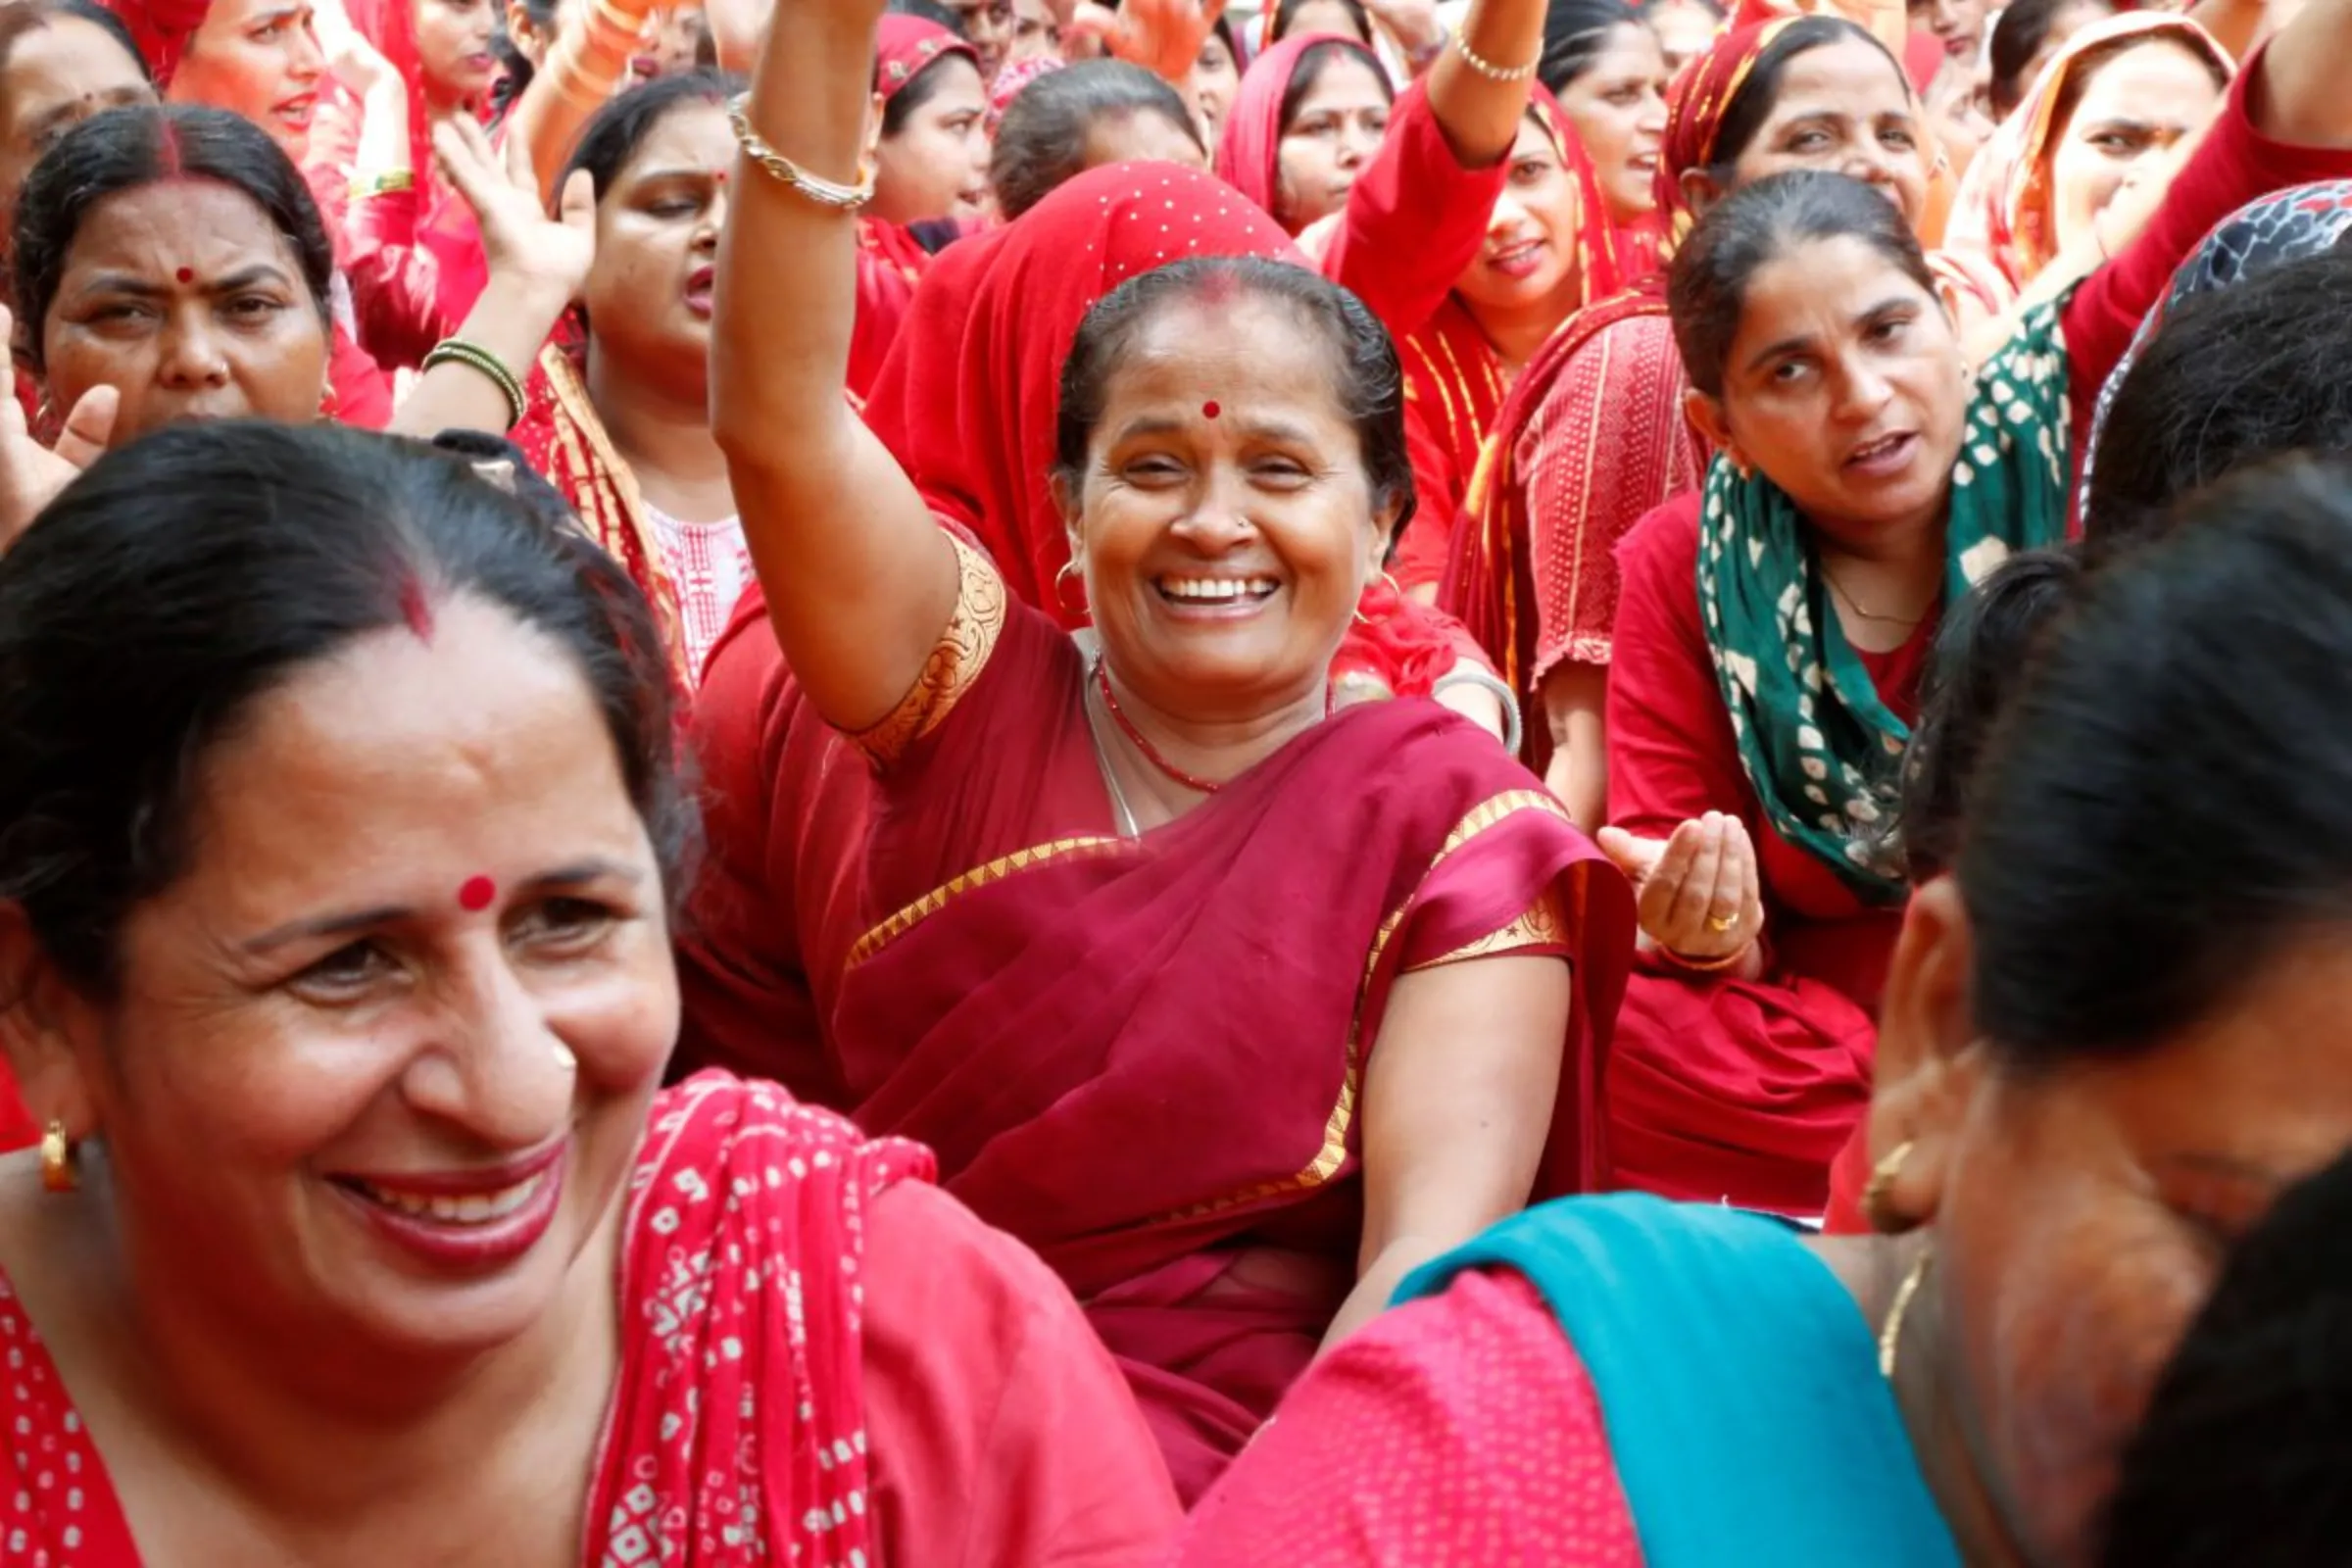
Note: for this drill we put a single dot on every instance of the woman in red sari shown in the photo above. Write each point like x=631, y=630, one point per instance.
x=1109, y=891
x=356, y=1164
x=933, y=163
x=1552, y=247
x=1744, y=1056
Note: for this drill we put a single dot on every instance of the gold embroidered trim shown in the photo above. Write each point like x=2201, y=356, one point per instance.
x=997, y=870
x=1334, y=1152
x=1542, y=924
x=961, y=654
x=602, y=491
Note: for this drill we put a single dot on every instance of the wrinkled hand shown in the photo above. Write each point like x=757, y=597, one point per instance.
x=519, y=238
x=30, y=473
x=1163, y=36
x=1697, y=893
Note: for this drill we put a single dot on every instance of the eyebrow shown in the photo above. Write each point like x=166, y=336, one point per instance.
x=673, y=172
x=1263, y=429
x=1805, y=340
x=349, y=922
x=75, y=110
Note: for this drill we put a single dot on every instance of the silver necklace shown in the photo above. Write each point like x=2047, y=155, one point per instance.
x=1121, y=813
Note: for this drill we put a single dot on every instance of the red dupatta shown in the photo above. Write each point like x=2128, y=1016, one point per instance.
x=966, y=399
x=1489, y=582
x=1250, y=155
x=1453, y=382
x=737, y=1428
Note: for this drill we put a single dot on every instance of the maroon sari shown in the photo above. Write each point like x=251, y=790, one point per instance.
x=1140, y=1056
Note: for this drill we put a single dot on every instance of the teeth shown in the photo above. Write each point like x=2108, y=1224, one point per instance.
x=474, y=1208
x=1216, y=589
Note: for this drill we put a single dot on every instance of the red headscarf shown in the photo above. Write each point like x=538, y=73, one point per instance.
x=1250, y=157
x=162, y=28
x=2003, y=219
x=967, y=397
x=904, y=45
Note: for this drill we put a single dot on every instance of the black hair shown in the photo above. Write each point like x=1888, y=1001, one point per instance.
x=31, y=16
x=1759, y=223
x=933, y=11
x=920, y=89
x=1287, y=12
x=123, y=149
x=190, y=574
x=1985, y=644
x=1366, y=378
x=1043, y=138
x=2018, y=34
x=1745, y=115
x=1223, y=28
x=2167, y=801
x=2233, y=376
x=2239, y=1462
x=1316, y=59
x=518, y=70
x=615, y=131
x=1574, y=32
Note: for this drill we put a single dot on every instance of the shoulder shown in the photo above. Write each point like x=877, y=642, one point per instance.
x=1665, y=542
x=716, y=1127
x=1460, y=1427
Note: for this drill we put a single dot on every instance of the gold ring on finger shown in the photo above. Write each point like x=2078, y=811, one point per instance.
x=1720, y=923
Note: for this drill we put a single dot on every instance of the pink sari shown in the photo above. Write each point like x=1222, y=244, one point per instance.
x=1142, y=1056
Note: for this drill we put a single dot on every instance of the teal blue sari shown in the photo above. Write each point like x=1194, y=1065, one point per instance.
x=1736, y=1379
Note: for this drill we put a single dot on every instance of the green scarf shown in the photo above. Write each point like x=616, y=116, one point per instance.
x=1818, y=743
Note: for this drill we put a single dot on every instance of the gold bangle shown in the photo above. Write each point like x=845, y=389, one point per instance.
x=1487, y=68
x=1705, y=965
x=457, y=350
x=629, y=27
x=777, y=166
x=387, y=183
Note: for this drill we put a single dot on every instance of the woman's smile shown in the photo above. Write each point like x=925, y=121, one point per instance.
x=1215, y=597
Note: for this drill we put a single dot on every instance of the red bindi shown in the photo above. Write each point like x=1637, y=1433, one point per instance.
x=186, y=274
x=415, y=608
x=476, y=894
x=1210, y=410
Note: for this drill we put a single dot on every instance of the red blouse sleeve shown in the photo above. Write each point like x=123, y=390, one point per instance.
x=2234, y=166
x=1414, y=219
x=1000, y=1430
x=1428, y=542
x=363, y=392
x=1672, y=754
x=1458, y=1429
x=395, y=282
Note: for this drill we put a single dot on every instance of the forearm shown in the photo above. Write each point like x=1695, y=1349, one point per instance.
x=511, y=321
x=2235, y=25
x=2298, y=96
x=382, y=153
x=1480, y=116
x=585, y=67
x=1377, y=1285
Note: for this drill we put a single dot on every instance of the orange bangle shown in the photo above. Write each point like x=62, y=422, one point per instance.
x=1705, y=965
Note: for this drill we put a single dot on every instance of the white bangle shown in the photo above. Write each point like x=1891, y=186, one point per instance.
x=1487, y=68
x=1513, y=728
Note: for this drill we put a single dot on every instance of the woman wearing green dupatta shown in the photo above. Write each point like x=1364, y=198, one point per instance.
x=1771, y=629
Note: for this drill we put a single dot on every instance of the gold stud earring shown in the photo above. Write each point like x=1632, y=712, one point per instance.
x=60, y=1170
x=565, y=1059
x=1879, y=1194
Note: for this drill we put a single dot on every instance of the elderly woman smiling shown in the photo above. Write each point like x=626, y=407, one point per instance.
x=1234, y=1007
x=334, y=959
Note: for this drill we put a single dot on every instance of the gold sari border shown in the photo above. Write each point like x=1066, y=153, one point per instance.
x=1336, y=1127
x=996, y=871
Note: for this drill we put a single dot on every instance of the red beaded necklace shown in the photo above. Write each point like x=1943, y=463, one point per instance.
x=1151, y=752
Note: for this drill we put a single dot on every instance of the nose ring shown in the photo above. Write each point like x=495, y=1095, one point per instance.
x=566, y=1062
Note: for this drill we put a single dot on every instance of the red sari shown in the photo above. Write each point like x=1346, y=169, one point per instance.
x=778, y=1305
x=415, y=255
x=1454, y=383
x=1749, y=1090
x=1065, y=1014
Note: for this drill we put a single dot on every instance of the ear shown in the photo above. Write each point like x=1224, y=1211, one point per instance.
x=42, y=1022
x=1386, y=519
x=1700, y=190
x=525, y=32
x=1707, y=416
x=1931, y=1060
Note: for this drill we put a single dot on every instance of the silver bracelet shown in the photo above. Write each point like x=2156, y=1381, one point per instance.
x=777, y=166
x=1514, y=730
x=1487, y=68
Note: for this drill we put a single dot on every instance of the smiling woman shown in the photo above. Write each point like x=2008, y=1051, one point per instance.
x=337, y=968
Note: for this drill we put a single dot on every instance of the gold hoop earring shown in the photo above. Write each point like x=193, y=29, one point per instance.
x=1067, y=574
x=1879, y=1192
x=60, y=1170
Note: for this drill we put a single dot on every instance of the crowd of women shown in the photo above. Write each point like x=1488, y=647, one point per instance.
x=853, y=782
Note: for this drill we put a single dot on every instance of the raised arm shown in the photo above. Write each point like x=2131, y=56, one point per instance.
x=1478, y=112
x=585, y=67
x=2299, y=96
x=858, y=577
